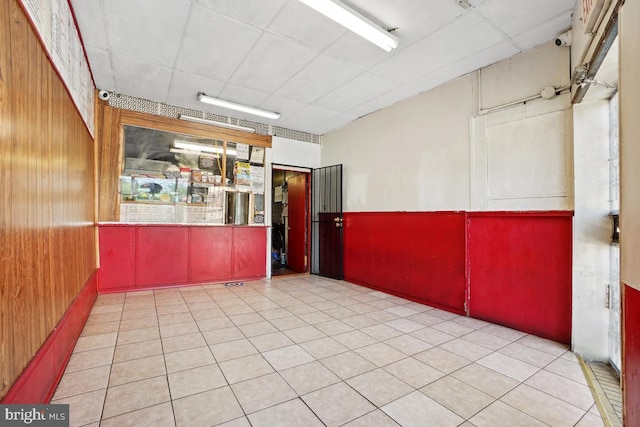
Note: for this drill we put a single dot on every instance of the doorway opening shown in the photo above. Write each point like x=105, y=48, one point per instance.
x=290, y=225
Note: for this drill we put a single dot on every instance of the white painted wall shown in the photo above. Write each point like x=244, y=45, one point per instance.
x=591, y=230
x=290, y=152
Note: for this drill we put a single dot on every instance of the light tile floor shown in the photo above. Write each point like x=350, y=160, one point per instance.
x=309, y=351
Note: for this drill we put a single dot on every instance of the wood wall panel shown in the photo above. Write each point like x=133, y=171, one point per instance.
x=47, y=240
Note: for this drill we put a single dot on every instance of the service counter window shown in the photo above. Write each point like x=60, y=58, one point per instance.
x=169, y=177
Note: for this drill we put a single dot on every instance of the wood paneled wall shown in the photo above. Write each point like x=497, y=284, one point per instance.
x=110, y=122
x=47, y=215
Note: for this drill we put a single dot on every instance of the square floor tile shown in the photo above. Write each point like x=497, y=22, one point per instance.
x=210, y=313
x=90, y=359
x=136, y=395
x=354, y=339
x=442, y=360
x=178, y=329
x=188, y=359
x=503, y=332
x=379, y=387
x=324, y=347
x=137, y=369
x=485, y=379
x=497, y=413
x=418, y=410
x=287, y=323
x=337, y=404
x=457, y=396
x=262, y=392
x=139, y=313
x=333, y=327
x=244, y=319
x=276, y=313
x=206, y=409
x=380, y=354
x=567, y=369
x=466, y=349
x=508, y=366
x=347, y=365
x=304, y=334
x=359, y=321
x=245, y=368
x=562, y=388
x=271, y=341
x=486, y=340
x=590, y=420
x=84, y=408
x=232, y=350
x=137, y=350
x=375, y=418
x=183, y=342
x=138, y=335
x=287, y=357
x=414, y=372
x=528, y=355
x=218, y=336
x=542, y=407
x=293, y=413
x=315, y=317
x=100, y=328
x=94, y=342
x=309, y=377
x=432, y=336
x=144, y=322
x=452, y=328
x=405, y=325
x=382, y=316
x=381, y=332
x=80, y=382
x=425, y=319
x=545, y=345
x=196, y=380
x=408, y=344
x=258, y=328
x=158, y=416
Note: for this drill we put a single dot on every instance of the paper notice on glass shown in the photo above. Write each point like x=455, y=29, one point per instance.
x=277, y=195
x=257, y=155
x=242, y=151
x=242, y=173
x=257, y=179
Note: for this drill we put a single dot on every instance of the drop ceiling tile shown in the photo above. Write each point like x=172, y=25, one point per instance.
x=466, y=35
x=243, y=95
x=100, y=64
x=185, y=87
x=318, y=78
x=141, y=79
x=214, y=45
x=517, y=16
x=91, y=22
x=299, y=22
x=149, y=30
x=357, y=91
x=286, y=107
x=544, y=32
x=258, y=13
x=271, y=63
x=308, y=116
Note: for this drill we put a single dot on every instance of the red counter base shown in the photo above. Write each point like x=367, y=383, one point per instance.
x=631, y=356
x=40, y=378
x=134, y=257
x=510, y=268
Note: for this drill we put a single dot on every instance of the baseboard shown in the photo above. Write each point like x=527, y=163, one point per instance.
x=39, y=380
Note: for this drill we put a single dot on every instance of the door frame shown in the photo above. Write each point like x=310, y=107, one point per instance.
x=307, y=171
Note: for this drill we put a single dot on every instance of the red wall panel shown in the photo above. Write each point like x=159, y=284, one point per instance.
x=419, y=255
x=249, y=252
x=117, y=257
x=520, y=271
x=631, y=356
x=162, y=257
x=209, y=253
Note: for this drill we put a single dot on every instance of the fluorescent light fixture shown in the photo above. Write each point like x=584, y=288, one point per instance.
x=194, y=146
x=237, y=107
x=355, y=22
x=215, y=123
x=190, y=152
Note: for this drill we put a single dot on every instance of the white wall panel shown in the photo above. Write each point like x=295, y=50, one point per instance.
x=295, y=153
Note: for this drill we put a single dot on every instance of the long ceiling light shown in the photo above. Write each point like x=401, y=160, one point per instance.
x=194, y=146
x=355, y=22
x=237, y=107
x=215, y=123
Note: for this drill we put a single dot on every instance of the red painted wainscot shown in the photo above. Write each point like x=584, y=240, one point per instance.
x=519, y=271
x=415, y=255
x=145, y=256
x=631, y=356
x=40, y=378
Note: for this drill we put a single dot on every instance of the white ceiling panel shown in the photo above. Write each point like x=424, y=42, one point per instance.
x=272, y=62
x=258, y=13
x=318, y=78
x=299, y=22
x=208, y=50
x=282, y=56
x=151, y=30
x=141, y=79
